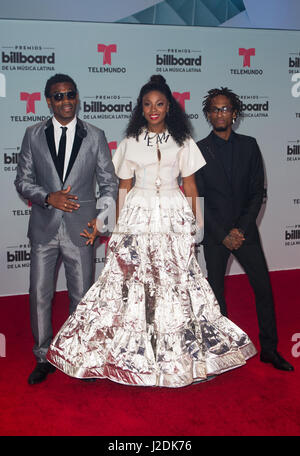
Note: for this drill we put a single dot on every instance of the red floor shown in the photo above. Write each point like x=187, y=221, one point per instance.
x=255, y=399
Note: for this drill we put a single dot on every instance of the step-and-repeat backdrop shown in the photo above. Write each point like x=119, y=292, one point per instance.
x=110, y=62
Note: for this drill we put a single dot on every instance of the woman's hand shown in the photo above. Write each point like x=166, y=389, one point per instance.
x=191, y=193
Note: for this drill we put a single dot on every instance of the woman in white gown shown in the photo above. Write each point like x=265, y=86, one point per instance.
x=151, y=318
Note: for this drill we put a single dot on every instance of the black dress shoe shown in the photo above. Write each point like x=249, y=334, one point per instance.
x=276, y=359
x=39, y=374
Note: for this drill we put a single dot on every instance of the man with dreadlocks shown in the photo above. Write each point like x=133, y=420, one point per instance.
x=232, y=184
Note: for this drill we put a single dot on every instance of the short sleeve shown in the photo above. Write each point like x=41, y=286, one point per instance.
x=191, y=158
x=122, y=166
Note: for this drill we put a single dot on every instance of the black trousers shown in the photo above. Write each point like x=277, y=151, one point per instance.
x=252, y=259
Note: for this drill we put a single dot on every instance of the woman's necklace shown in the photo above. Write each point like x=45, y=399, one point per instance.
x=157, y=139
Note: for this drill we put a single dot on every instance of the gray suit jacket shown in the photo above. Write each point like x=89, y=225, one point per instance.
x=37, y=176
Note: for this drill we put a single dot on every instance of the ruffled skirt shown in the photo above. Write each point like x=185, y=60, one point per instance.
x=151, y=318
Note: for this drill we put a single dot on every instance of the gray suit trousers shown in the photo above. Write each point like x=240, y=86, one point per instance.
x=79, y=269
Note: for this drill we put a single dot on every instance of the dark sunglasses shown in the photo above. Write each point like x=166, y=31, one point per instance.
x=58, y=96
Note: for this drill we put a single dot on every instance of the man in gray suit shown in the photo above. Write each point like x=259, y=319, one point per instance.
x=60, y=161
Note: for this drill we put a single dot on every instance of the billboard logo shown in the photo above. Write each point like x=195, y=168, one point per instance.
x=169, y=59
x=19, y=57
x=30, y=98
x=2, y=85
x=106, y=107
x=292, y=234
x=18, y=258
x=98, y=106
x=246, y=53
x=11, y=159
x=107, y=51
x=18, y=255
x=293, y=151
x=255, y=106
x=181, y=98
x=294, y=63
x=178, y=59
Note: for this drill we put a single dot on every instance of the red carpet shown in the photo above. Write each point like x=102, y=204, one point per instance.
x=253, y=400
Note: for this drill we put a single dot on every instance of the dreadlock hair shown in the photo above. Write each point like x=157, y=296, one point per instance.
x=176, y=120
x=235, y=102
x=57, y=78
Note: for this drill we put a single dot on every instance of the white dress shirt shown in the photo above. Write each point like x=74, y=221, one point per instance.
x=70, y=133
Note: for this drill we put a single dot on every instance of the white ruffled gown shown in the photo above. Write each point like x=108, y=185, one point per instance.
x=151, y=318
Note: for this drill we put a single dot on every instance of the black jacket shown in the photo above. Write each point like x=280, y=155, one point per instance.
x=236, y=203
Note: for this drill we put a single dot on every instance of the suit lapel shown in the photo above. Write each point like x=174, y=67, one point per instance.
x=49, y=131
x=80, y=133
